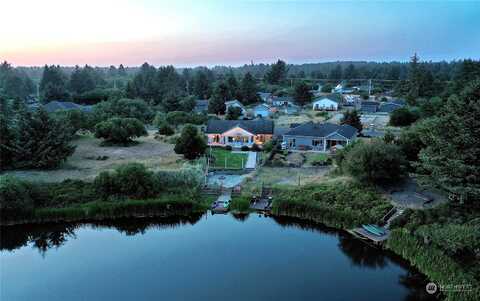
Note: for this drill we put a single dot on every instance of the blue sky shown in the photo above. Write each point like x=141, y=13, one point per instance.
x=187, y=33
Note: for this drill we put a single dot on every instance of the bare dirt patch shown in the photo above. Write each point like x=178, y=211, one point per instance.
x=90, y=159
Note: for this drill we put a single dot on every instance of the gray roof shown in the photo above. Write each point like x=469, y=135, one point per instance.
x=282, y=98
x=389, y=107
x=201, y=105
x=311, y=129
x=369, y=106
x=258, y=126
x=264, y=94
x=54, y=106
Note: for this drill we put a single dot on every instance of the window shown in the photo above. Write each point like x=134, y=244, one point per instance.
x=316, y=142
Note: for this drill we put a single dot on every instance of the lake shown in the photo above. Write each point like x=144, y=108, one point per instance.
x=204, y=257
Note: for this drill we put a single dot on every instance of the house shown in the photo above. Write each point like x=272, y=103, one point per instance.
x=238, y=133
x=262, y=110
x=369, y=106
x=278, y=101
x=325, y=103
x=235, y=104
x=54, y=106
x=318, y=136
x=265, y=96
x=389, y=107
x=201, y=106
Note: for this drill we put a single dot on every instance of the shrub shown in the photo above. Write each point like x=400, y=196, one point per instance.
x=245, y=148
x=130, y=180
x=403, y=117
x=120, y=130
x=191, y=178
x=377, y=162
x=190, y=143
x=228, y=148
x=268, y=146
x=123, y=108
x=166, y=130
x=15, y=194
x=256, y=148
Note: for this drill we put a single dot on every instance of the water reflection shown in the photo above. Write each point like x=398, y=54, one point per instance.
x=53, y=235
x=47, y=236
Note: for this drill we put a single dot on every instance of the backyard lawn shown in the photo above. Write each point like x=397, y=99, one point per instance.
x=227, y=159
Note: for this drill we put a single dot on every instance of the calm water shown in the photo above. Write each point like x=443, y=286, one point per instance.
x=207, y=257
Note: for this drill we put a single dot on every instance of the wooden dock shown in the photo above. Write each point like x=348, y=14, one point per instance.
x=264, y=201
x=365, y=235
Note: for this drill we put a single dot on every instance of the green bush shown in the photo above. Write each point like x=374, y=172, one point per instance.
x=403, y=117
x=15, y=194
x=120, y=130
x=190, y=143
x=185, y=179
x=132, y=180
x=228, y=148
x=166, y=130
x=245, y=148
x=376, y=162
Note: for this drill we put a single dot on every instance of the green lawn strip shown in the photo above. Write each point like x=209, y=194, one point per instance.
x=233, y=160
x=315, y=157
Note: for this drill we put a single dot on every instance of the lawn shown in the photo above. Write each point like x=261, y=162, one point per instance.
x=89, y=159
x=312, y=158
x=227, y=159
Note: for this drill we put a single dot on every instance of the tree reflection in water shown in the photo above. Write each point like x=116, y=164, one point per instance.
x=46, y=236
x=364, y=255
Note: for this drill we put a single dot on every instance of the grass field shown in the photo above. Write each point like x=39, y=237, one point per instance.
x=90, y=159
x=228, y=160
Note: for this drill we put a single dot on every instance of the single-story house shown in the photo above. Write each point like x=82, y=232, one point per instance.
x=201, y=106
x=318, y=136
x=325, y=103
x=265, y=96
x=369, y=106
x=278, y=101
x=235, y=104
x=262, y=110
x=54, y=106
x=238, y=133
x=389, y=107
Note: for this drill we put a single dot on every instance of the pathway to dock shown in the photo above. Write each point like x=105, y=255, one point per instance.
x=222, y=199
x=251, y=160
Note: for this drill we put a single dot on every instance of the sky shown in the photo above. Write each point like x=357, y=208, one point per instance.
x=223, y=32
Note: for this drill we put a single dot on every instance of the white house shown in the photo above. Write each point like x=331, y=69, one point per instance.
x=325, y=103
x=238, y=133
x=235, y=104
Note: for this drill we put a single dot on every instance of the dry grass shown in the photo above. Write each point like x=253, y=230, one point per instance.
x=83, y=164
x=272, y=176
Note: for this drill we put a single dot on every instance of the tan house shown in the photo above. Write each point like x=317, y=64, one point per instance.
x=238, y=133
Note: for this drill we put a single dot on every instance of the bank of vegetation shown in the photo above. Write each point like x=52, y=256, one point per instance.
x=130, y=190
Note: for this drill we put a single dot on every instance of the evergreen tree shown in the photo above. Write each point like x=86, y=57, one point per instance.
x=53, y=85
x=216, y=104
x=277, y=73
x=352, y=118
x=202, y=85
x=450, y=160
x=144, y=84
x=249, y=89
x=42, y=141
x=336, y=73
x=233, y=86
x=190, y=143
x=303, y=94
x=350, y=72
